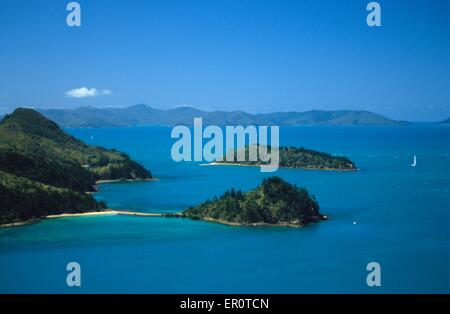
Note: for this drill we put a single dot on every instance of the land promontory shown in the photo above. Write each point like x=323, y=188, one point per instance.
x=45, y=171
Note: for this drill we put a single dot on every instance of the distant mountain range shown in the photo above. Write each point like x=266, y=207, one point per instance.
x=446, y=121
x=146, y=115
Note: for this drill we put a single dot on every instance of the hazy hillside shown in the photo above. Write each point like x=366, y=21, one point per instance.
x=145, y=115
x=447, y=121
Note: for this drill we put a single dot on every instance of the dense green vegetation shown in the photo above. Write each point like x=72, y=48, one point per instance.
x=292, y=157
x=145, y=115
x=275, y=201
x=23, y=199
x=36, y=148
x=46, y=170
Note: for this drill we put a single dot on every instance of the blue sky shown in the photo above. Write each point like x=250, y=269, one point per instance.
x=252, y=55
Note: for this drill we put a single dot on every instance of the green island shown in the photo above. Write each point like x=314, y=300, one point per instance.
x=274, y=202
x=44, y=171
x=293, y=157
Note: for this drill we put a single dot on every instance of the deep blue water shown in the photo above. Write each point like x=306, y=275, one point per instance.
x=402, y=216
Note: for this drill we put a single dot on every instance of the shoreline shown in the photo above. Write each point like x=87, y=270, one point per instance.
x=281, y=167
x=108, y=212
x=259, y=224
x=111, y=212
x=105, y=213
x=124, y=180
x=256, y=224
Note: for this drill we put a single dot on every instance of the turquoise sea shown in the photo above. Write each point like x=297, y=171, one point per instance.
x=402, y=216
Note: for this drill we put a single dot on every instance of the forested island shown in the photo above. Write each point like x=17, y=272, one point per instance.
x=45, y=171
x=293, y=157
x=274, y=202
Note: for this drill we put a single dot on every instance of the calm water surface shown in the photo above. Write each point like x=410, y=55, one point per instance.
x=402, y=216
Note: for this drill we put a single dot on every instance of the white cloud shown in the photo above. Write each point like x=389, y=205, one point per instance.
x=84, y=92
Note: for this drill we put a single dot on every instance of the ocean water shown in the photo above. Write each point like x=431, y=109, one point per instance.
x=402, y=215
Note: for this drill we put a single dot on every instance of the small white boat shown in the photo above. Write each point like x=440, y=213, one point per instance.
x=414, y=162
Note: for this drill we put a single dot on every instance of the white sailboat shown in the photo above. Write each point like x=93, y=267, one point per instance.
x=414, y=162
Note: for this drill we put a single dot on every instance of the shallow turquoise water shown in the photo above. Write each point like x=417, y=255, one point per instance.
x=402, y=215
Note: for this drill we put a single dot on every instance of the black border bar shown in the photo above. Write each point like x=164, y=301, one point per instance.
x=277, y=302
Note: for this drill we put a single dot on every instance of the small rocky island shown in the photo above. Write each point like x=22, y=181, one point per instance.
x=292, y=157
x=45, y=171
x=275, y=202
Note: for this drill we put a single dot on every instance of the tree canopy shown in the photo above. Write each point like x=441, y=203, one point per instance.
x=275, y=201
x=44, y=170
x=293, y=157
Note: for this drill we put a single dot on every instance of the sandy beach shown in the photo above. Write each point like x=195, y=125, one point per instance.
x=100, y=213
x=125, y=180
x=105, y=213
